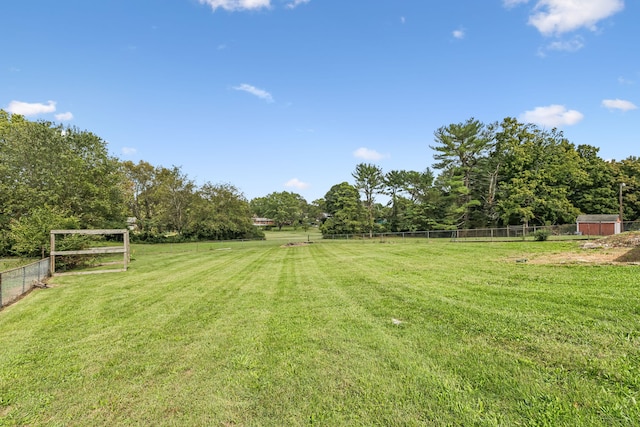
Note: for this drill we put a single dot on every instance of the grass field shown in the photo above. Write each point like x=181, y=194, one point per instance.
x=11, y=263
x=394, y=333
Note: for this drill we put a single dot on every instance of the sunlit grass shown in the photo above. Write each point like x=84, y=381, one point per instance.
x=11, y=263
x=393, y=332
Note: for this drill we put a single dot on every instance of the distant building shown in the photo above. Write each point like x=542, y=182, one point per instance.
x=132, y=223
x=263, y=222
x=598, y=225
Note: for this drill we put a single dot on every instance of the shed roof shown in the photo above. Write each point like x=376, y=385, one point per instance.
x=597, y=218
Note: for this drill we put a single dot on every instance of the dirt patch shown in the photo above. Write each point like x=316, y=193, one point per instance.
x=623, y=240
x=294, y=244
x=621, y=248
x=588, y=256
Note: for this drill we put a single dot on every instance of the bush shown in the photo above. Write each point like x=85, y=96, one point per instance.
x=74, y=242
x=541, y=235
x=30, y=234
x=5, y=243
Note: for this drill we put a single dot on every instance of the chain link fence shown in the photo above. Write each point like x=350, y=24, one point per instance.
x=555, y=232
x=631, y=226
x=18, y=281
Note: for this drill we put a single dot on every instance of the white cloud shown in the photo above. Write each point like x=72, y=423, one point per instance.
x=31, y=109
x=619, y=104
x=624, y=81
x=64, y=117
x=459, y=34
x=572, y=45
x=129, y=151
x=552, y=116
x=260, y=93
x=367, y=154
x=296, y=3
x=233, y=5
x=512, y=3
x=296, y=183
x=554, y=17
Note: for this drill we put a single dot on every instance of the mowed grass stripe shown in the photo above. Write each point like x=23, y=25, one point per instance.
x=135, y=328
x=264, y=335
x=321, y=347
x=406, y=384
x=484, y=329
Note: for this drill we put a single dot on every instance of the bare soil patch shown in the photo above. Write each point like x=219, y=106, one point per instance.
x=621, y=248
x=293, y=244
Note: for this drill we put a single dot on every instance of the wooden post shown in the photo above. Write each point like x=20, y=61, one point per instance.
x=52, y=257
x=125, y=236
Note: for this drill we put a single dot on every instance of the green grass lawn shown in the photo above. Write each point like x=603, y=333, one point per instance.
x=400, y=332
x=11, y=263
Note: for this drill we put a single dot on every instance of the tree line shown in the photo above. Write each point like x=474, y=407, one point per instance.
x=488, y=175
x=56, y=177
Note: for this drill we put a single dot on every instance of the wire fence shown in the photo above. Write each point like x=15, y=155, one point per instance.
x=18, y=281
x=631, y=226
x=313, y=235
x=511, y=233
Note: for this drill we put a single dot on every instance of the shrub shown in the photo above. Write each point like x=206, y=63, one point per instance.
x=541, y=235
x=30, y=234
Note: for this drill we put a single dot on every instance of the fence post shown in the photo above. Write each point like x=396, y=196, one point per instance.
x=127, y=250
x=52, y=256
x=0, y=290
x=24, y=277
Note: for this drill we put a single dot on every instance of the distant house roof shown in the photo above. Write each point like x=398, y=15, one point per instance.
x=262, y=221
x=597, y=218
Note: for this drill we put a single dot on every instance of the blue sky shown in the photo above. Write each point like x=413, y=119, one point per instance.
x=290, y=95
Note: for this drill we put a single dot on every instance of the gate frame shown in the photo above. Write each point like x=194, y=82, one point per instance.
x=91, y=251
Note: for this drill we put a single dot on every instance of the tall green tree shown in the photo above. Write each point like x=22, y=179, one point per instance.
x=459, y=150
x=222, y=213
x=316, y=212
x=424, y=207
x=369, y=181
x=345, y=211
x=597, y=192
x=284, y=208
x=395, y=182
x=141, y=195
x=44, y=164
x=537, y=171
x=176, y=195
x=627, y=172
